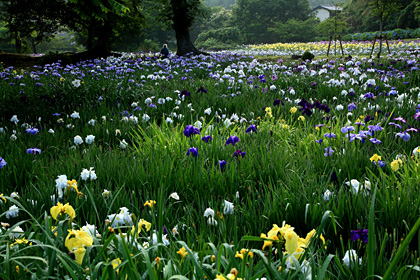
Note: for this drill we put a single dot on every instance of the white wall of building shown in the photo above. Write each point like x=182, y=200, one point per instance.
x=322, y=14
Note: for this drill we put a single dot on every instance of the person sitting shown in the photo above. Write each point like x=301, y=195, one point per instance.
x=164, y=51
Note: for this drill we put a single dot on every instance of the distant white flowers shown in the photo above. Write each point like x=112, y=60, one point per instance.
x=106, y=193
x=228, y=208
x=207, y=111
x=76, y=83
x=78, y=140
x=123, y=144
x=89, y=139
x=75, y=115
x=88, y=174
x=13, y=212
x=350, y=258
x=61, y=185
x=174, y=196
x=356, y=186
x=14, y=119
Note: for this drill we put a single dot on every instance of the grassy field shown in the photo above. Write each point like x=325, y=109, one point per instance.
x=211, y=167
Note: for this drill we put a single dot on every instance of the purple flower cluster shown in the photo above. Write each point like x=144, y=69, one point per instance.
x=238, y=153
x=2, y=162
x=193, y=151
x=307, y=107
x=232, y=140
x=359, y=234
x=33, y=151
x=191, y=130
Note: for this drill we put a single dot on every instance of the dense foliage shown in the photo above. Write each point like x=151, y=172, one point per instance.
x=212, y=167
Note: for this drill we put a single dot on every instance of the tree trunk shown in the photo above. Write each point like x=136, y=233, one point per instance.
x=102, y=47
x=183, y=41
x=380, y=39
x=18, y=43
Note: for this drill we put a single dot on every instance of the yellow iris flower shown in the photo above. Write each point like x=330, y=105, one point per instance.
x=73, y=185
x=58, y=211
x=79, y=254
x=151, y=203
x=81, y=238
x=183, y=252
x=375, y=158
x=140, y=225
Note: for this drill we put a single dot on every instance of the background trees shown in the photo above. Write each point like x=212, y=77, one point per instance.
x=102, y=26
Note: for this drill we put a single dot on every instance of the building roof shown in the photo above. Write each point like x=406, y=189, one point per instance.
x=329, y=8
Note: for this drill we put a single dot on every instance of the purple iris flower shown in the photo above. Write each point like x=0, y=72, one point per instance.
x=329, y=135
x=193, y=151
x=412, y=129
x=238, y=153
x=251, y=128
x=232, y=140
x=56, y=114
x=395, y=124
x=191, y=130
x=221, y=164
x=359, y=234
x=2, y=162
x=32, y=131
x=347, y=128
x=201, y=89
x=381, y=163
x=417, y=116
x=277, y=102
x=352, y=107
x=369, y=118
x=207, y=138
x=400, y=119
x=375, y=141
x=33, y=151
x=404, y=135
x=184, y=93
x=328, y=152
x=153, y=105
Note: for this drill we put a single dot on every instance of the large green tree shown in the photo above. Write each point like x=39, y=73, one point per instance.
x=103, y=22
x=33, y=21
x=255, y=18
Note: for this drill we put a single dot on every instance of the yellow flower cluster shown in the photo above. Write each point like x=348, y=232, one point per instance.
x=139, y=227
x=150, y=203
x=396, y=164
x=73, y=185
x=76, y=241
x=58, y=211
x=294, y=244
x=244, y=252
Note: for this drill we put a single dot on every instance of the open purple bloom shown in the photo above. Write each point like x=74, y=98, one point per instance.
x=193, y=151
x=191, y=130
x=221, y=164
x=2, y=162
x=400, y=119
x=347, y=128
x=32, y=130
x=328, y=152
x=381, y=163
x=404, y=135
x=319, y=141
x=395, y=124
x=232, y=140
x=417, y=116
x=329, y=135
x=238, y=153
x=33, y=151
x=184, y=93
x=359, y=234
x=251, y=128
x=375, y=141
x=352, y=107
x=207, y=138
x=375, y=127
x=201, y=89
x=277, y=102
